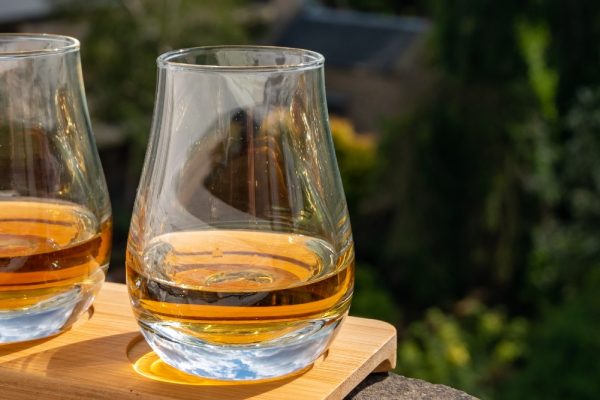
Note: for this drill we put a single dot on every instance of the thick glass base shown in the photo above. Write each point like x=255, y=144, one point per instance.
x=276, y=358
x=51, y=316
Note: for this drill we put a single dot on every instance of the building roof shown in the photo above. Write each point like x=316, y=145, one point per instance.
x=15, y=11
x=351, y=38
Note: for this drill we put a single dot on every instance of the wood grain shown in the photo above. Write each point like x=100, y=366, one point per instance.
x=91, y=362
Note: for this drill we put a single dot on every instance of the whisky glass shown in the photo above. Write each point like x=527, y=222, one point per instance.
x=240, y=259
x=55, y=216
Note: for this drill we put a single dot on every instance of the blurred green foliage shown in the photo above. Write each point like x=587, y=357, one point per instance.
x=561, y=361
x=370, y=299
x=488, y=194
x=356, y=156
x=471, y=351
x=564, y=272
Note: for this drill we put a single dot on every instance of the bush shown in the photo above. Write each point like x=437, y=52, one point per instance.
x=356, y=157
x=562, y=356
x=473, y=349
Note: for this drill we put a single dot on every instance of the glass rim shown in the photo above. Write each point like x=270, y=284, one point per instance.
x=311, y=60
x=62, y=44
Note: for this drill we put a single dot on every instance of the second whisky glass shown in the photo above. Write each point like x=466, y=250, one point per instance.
x=55, y=216
x=240, y=261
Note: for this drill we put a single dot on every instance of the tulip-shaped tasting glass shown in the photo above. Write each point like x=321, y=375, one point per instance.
x=55, y=217
x=240, y=262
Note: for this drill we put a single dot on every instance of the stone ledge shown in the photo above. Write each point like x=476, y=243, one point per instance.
x=384, y=386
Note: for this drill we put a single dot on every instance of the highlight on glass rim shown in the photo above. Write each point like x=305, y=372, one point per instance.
x=261, y=174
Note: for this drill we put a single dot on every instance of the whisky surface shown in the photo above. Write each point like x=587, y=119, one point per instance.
x=239, y=287
x=46, y=248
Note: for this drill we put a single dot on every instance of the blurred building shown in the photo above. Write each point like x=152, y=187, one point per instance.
x=374, y=63
x=13, y=13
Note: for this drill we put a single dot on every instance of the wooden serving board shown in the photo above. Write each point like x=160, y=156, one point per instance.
x=96, y=358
